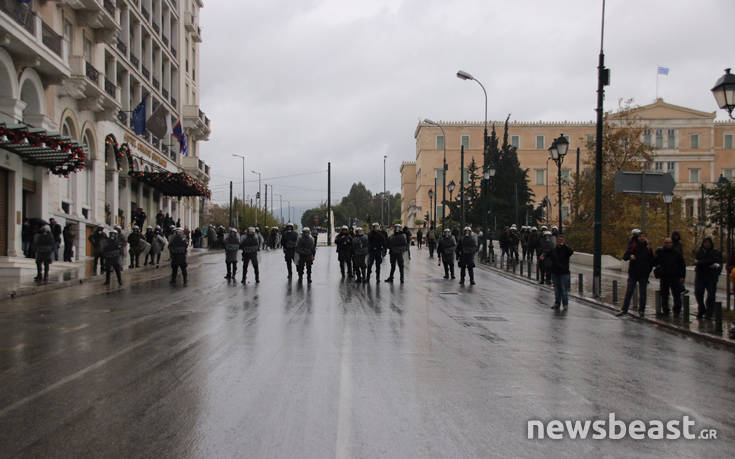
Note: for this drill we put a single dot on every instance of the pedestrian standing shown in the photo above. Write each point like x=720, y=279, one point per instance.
x=377, y=245
x=45, y=245
x=407, y=233
x=397, y=246
x=343, y=241
x=419, y=238
x=26, y=237
x=232, y=246
x=177, y=249
x=157, y=245
x=639, y=268
x=431, y=241
x=466, y=250
x=359, y=253
x=68, y=235
x=670, y=269
x=708, y=267
x=250, y=245
x=560, y=274
x=306, y=252
x=288, y=242
x=446, y=249
x=111, y=248
x=543, y=265
x=134, y=246
x=56, y=232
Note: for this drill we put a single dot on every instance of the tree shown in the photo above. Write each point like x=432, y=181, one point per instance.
x=359, y=207
x=624, y=148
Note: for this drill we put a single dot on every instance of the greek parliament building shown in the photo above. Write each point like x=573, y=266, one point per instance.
x=688, y=143
x=71, y=72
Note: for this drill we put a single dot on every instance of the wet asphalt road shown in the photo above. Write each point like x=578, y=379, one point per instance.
x=428, y=369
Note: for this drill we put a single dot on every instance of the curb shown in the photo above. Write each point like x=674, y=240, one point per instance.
x=42, y=288
x=667, y=326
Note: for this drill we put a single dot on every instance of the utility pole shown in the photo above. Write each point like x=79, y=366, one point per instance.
x=329, y=204
x=461, y=184
x=230, y=204
x=576, y=182
x=603, y=79
x=382, y=200
x=265, y=207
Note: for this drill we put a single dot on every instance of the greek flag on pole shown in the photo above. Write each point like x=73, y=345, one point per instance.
x=662, y=71
x=181, y=137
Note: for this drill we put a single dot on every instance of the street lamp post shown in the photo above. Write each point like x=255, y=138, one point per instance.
x=722, y=182
x=431, y=202
x=444, y=170
x=557, y=151
x=724, y=92
x=668, y=198
x=243, y=175
x=257, y=206
x=382, y=200
x=436, y=196
x=487, y=176
x=451, y=188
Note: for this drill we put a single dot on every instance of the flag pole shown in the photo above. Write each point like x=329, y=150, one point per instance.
x=656, y=84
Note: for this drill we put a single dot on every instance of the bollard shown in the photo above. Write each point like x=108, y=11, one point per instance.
x=529, y=268
x=615, y=292
x=635, y=297
x=514, y=266
x=657, y=295
x=581, y=284
x=685, y=308
x=718, y=317
x=521, y=269
x=537, y=272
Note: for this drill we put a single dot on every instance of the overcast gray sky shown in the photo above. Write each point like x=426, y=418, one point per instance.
x=293, y=84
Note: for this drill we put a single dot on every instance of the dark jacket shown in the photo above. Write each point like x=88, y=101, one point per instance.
x=670, y=263
x=232, y=245
x=376, y=242
x=447, y=246
x=288, y=240
x=56, y=231
x=305, y=245
x=344, y=246
x=44, y=244
x=111, y=249
x=96, y=239
x=397, y=243
x=177, y=247
x=466, y=250
x=360, y=245
x=705, y=259
x=560, y=259
x=641, y=267
x=249, y=245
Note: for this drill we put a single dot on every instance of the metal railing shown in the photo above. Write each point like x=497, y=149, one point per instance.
x=156, y=27
x=173, y=50
x=155, y=141
x=51, y=39
x=146, y=73
x=134, y=60
x=164, y=91
x=156, y=83
x=122, y=117
x=109, y=6
x=21, y=13
x=145, y=13
x=164, y=38
x=121, y=46
x=110, y=88
x=173, y=102
x=91, y=72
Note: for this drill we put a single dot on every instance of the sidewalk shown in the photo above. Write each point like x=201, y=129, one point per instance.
x=699, y=329
x=79, y=272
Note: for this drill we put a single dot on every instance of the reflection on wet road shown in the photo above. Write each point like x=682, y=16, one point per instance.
x=335, y=369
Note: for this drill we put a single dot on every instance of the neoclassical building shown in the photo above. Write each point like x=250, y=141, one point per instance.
x=687, y=143
x=71, y=73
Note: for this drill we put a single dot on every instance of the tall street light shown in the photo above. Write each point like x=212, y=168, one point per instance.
x=462, y=75
x=451, y=188
x=436, y=196
x=258, y=201
x=557, y=151
x=444, y=169
x=487, y=176
x=243, y=175
x=668, y=198
x=382, y=200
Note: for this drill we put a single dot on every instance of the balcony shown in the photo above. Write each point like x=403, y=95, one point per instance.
x=155, y=141
x=122, y=117
x=84, y=85
x=164, y=38
x=164, y=91
x=146, y=73
x=156, y=83
x=173, y=50
x=190, y=23
x=145, y=14
x=98, y=15
x=195, y=167
x=197, y=35
x=173, y=102
x=196, y=122
x=157, y=28
x=134, y=60
x=27, y=38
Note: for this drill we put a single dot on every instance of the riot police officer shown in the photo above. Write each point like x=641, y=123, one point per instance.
x=306, y=251
x=397, y=246
x=44, y=244
x=376, y=251
x=288, y=241
x=250, y=244
x=466, y=250
x=232, y=246
x=97, y=240
x=343, y=241
x=447, y=247
x=111, y=249
x=359, y=252
x=177, y=248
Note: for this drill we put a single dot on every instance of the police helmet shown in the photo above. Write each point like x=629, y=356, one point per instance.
x=467, y=229
x=251, y=230
x=306, y=230
x=289, y=225
x=544, y=228
x=358, y=230
x=397, y=226
x=447, y=231
x=636, y=231
x=376, y=225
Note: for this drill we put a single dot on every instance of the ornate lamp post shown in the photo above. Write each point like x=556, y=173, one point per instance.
x=557, y=151
x=451, y=188
x=724, y=92
x=431, y=202
x=444, y=168
x=487, y=176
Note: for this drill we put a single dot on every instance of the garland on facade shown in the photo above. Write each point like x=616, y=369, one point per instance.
x=121, y=151
x=173, y=183
x=70, y=158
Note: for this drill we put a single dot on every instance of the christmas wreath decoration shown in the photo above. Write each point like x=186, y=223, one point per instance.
x=121, y=151
x=60, y=155
x=173, y=183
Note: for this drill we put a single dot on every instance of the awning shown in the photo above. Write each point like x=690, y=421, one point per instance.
x=61, y=155
x=172, y=184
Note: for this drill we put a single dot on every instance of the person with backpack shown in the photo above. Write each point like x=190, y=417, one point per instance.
x=45, y=244
x=641, y=259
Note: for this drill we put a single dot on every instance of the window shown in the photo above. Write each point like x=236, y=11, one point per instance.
x=728, y=141
x=566, y=176
x=440, y=142
x=439, y=177
x=466, y=142
x=658, y=166
x=439, y=211
x=87, y=50
x=540, y=143
x=540, y=176
x=693, y=175
x=647, y=137
x=694, y=141
x=589, y=138
x=671, y=139
x=671, y=169
x=729, y=174
x=515, y=140
x=67, y=39
x=659, y=138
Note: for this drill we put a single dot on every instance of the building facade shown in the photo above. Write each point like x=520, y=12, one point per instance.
x=71, y=73
x=687, y=143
